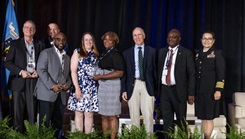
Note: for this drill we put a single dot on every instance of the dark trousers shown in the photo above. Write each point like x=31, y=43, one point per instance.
x=170, y=104
x=54, y=112
x=22, y=101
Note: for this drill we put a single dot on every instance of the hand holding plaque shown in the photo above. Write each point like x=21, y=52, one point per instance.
x=30, y=67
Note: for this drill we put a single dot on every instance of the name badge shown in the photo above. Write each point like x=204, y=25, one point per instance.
x=165, y=72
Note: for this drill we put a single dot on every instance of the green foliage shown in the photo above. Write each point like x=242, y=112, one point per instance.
x=184, y=133
x=77, y=135
x=136, y=133
x=82, y=135
x=13, y=134
x=4, y=128
x=132, y=133
x=33, y=132
x=196, y=134
x=235, y=133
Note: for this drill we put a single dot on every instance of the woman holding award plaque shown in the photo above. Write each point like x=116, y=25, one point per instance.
x=111, y=64
x=84, y=98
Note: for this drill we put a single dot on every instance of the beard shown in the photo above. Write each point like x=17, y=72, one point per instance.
x=60, y=48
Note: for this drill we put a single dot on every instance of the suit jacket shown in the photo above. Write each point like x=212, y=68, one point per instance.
x=149, y=61
x=184, y=72
x=49, y=70
x=46, y=43
x=210, y=67
x=16, y=61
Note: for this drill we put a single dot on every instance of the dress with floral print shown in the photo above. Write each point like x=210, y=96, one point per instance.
x=88, y=86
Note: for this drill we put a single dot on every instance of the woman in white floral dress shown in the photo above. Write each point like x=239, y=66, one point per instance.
x=84, y=100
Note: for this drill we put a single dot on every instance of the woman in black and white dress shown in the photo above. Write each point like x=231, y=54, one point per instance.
x=112, y=66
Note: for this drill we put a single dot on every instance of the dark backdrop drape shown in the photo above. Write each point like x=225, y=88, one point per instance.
x=156, y=17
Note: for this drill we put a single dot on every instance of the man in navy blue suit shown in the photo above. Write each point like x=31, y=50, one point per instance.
x=139, y=80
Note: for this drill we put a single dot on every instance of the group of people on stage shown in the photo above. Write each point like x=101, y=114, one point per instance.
x=43, y=71
x=38, y=72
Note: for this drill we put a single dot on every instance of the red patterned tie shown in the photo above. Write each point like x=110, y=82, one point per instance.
x=169, y=67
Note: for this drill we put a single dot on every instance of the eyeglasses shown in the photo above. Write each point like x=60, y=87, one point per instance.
x=60, y=39
x=29, y=28
x=207, y=39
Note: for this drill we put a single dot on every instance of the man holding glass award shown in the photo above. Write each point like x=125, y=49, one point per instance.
x=21, y=62
x=53, y=68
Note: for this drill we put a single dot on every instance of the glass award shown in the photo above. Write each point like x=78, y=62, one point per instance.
x=61, y=80
x=92, y=70
x=30, y=67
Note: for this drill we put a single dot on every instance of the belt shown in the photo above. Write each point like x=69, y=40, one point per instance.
x=169, y=86
x=138, y=79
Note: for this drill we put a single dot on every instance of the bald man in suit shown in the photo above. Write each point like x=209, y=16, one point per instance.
x=53, y=68
x=176, y=79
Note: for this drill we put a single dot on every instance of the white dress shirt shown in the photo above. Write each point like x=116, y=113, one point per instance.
x=136, y=59
x=165, y=69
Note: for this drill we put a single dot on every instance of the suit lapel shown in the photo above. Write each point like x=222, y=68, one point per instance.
x=57, y=60
x=23, y=48
x=162, y=58
x=178, y=58
x=132, y=64
x=36, y=48
x=145, y=56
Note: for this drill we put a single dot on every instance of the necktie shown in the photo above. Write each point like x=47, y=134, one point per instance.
x=169, y=64
x=141, y=69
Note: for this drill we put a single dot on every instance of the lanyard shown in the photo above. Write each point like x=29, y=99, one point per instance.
x=170, y=56
x=105, y=54
x=30, y=54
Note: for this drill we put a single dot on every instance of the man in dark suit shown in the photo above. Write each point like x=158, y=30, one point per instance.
x=21, y=62
x=53, y=68
x=138, y=82
x=52, y=30
x=176, y=79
